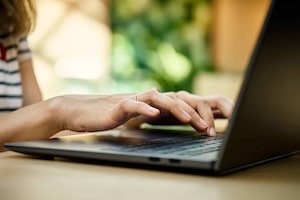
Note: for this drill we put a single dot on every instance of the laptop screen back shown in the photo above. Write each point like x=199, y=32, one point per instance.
x=266, y=124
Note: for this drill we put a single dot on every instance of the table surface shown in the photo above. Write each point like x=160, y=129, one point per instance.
x=26, y=177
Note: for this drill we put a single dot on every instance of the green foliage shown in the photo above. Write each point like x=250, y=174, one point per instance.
x=165, y=41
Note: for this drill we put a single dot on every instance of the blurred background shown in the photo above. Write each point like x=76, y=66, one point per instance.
x=112, y=46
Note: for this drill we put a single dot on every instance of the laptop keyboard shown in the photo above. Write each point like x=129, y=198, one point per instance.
x=191, y=145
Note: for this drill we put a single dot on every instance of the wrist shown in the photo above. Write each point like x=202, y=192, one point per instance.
x=56, y=114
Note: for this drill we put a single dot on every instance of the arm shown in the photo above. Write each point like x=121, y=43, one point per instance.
x=28, y=123
x=31, y=90
x=74, y=112
x=83, y=113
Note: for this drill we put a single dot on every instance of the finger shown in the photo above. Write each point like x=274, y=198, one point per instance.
x=209, y=107
x=218, y=114
x=178, y=108
x=197, y=121
x=202, y=106
x=222, y=105
x=128, y=108
x=206, y=113
x=165, y=103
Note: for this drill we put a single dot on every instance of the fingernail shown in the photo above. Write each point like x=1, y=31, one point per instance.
x=212, y=132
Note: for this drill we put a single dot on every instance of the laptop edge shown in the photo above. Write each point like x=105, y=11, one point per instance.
x=250, y=140
x=254, y=129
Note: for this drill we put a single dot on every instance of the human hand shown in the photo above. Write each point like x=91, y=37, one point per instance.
x=91, y=113
x=199, y=112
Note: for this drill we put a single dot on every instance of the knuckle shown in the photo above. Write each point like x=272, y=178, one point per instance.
x=192, y=113
x=175, y=104
x=152, y=93
x=204, y=102
x=182, y=93
x=124, y=103
x=172, y=95
x=220, y=98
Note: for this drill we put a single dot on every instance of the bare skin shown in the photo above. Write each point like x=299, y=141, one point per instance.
x=83, y=113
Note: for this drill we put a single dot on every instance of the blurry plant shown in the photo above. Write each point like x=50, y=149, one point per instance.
x=162, y=40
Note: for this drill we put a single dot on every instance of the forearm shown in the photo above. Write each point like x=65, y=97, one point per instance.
x=83, y=113
x=31, y=90
x=46, y=118
x=32, y=122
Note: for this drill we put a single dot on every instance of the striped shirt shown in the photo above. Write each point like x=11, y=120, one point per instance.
x=12, y=52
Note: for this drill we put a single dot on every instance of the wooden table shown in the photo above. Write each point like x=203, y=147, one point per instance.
x=29, y=178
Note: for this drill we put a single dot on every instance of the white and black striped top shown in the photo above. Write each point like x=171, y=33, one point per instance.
x=12, y=52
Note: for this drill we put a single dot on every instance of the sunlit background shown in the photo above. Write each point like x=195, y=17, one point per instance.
x=110, y=46
x=163, y=41
x=71, y=47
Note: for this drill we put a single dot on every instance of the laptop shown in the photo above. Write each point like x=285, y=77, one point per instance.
x=264, y=125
